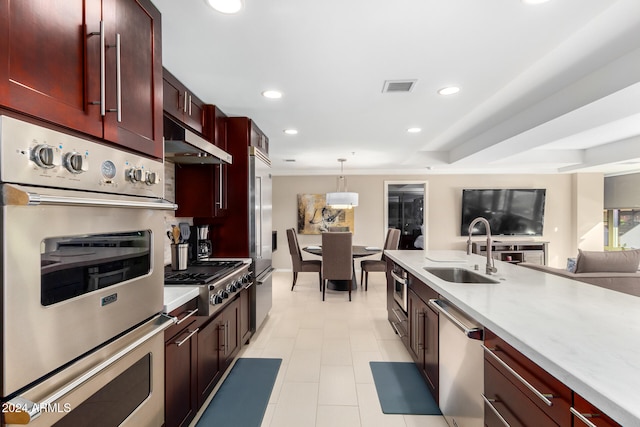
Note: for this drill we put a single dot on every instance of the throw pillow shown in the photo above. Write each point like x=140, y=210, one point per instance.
x=571, y=265
x=610, y=262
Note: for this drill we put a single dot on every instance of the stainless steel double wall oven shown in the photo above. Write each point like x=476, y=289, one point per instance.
x=82, y=281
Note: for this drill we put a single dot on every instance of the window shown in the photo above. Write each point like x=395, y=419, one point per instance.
x=622, y=229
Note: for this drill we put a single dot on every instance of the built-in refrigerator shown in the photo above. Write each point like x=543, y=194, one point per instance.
x=260, y=235
x=245, y=229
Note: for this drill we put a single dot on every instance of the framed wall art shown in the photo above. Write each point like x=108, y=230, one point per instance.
x=315, y=217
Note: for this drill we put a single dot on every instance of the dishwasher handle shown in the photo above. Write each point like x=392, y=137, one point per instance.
x=473, y=332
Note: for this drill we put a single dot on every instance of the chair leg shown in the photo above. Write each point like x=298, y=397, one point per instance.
x=324, y=287
x=320, y=281
x=366, y=281
x=361, y=275
x=295, y=278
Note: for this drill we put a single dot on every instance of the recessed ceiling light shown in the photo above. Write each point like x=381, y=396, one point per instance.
x=272, y=94
x=450, y=90
x=226, y=6
x=291, y=131
x=534, y=1
x=414, y=130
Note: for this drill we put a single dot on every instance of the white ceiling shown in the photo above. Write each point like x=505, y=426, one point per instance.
x=546, y=88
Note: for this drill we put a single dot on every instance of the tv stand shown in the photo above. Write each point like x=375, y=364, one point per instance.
x=514, y=252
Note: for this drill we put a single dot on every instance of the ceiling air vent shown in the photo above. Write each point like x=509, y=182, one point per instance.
x=398, y=85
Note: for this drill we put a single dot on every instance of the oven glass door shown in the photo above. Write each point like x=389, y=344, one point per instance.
x=71, y=266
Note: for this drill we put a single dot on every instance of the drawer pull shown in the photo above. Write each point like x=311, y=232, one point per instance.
x=191, y=313
x=187, y=338
x=584, y=417
x=489, y=403
x=393, y=325
x=542, y=396
x=400, y=319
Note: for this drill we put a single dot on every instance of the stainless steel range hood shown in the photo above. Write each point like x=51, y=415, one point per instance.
x=183, y=146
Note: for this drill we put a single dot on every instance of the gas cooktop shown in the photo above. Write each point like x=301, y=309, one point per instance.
x=201, y=272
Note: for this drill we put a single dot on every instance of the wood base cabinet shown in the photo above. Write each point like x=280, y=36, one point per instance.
x=218, y=344
x=519, y=391
x=51, y=68
x=181, y=367
x=424, y=333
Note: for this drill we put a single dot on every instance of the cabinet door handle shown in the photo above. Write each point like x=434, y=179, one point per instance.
x=489, y=403
x=118, y=78
x=187, y=338
x=584, y=417
x=190, y=104
x=542, y=396
x=100, y=33
x=184, y=104
x=220, y=189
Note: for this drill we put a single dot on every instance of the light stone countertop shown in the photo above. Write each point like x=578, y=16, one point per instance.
x=175, y=296
x=584, y=335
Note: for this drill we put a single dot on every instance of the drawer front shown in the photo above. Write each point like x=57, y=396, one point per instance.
x=185, y=318
x=537, y=377
x=512, y=405
x=592, y=414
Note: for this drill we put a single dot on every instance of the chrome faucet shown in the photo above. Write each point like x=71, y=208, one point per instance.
x=490, y=263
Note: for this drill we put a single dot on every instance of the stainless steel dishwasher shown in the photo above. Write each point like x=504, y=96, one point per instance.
x=461, y=366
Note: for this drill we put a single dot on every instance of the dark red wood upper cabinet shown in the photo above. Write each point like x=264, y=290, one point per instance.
x=50, y=67
x=139, y=126
x=182, y=104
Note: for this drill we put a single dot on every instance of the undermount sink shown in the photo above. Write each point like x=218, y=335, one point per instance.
x=458, y=275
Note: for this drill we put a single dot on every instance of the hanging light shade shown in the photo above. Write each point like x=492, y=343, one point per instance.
x=341, y=198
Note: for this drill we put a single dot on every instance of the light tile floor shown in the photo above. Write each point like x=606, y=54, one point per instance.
x=325, y=378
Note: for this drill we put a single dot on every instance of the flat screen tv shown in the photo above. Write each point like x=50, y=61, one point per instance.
x=511, y=212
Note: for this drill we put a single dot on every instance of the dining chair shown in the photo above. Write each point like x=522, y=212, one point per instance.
x=301, y=265
x=372, y=265
x=335, y=228
x=337, y=259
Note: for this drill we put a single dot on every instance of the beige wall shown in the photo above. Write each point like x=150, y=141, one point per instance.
x=573, y=209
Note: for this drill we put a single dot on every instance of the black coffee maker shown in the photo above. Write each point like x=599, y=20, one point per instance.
x=199, y=243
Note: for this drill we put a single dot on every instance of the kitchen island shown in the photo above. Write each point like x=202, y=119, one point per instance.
x=585, y=336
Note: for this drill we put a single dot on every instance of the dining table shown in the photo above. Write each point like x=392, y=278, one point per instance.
x=358, y=251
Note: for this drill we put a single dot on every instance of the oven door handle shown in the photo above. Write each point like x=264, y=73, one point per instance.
x=23, y=411
x=12, y=195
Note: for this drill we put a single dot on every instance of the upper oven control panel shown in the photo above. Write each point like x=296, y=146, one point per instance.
x=34, y=155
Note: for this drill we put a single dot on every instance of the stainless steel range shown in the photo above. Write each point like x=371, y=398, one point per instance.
x=218, y=280
x=82, y=281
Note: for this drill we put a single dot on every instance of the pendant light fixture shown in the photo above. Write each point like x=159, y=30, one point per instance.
x=341, y=198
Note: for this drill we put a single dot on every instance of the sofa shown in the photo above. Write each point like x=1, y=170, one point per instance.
x=617, y=270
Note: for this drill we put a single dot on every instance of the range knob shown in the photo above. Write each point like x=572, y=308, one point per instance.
x=224, y=294
x=152, y=178
x=231, y=287
x=215, y=299
x=75, y=163
x=44, y=156
x=136, y=175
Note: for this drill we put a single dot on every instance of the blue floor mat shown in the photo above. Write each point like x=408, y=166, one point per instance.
x=402, y=390
x=244, y=395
